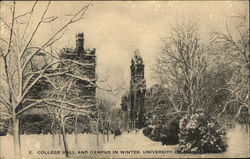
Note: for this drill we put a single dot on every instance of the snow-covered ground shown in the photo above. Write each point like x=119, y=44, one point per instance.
x=127, y=145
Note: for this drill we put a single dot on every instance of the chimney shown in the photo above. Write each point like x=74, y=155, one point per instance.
x=79, y=42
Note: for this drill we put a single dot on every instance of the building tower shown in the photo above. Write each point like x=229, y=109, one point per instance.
x=87, y=90
x=84, y=92
x=137, y=90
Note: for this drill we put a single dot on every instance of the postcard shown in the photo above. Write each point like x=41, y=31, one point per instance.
x=124, y=79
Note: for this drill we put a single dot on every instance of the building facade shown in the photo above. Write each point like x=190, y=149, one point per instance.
x=83, y=91
x=87, y=89
x=133, y=102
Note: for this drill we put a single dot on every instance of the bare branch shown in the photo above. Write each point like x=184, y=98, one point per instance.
x=49, y=19
x=31, y=13
x=177, y=112
x=22, y=15
x=71, y=104
x=5, y=114
x=11, y=29
x=36, y=28
x=18, y=112
x=72, y=20
x=70, y=109
x=9, y=81
x=4, y=100
x=226, y=105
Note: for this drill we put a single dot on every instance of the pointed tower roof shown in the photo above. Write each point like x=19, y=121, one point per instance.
x=137, y=57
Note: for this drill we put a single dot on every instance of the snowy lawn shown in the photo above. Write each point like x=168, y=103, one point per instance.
x=127, y=145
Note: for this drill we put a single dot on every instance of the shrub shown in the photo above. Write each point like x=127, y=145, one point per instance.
x=169, y=133
x=200, y=133
x=147, y=131
x=156, y=133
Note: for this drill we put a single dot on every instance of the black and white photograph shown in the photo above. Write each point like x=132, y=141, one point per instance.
x=124, y=79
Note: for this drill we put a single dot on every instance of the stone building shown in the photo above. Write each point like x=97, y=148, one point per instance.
x=84, y=92
x=133, y=101
x=87, y=89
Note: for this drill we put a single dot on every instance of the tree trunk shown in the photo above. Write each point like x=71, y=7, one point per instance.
x=134, y=125
x=76, y=139
x=114, y=131
x=53, y=134
x=248, y=118
x=103, y=137
x=97, y=138
x=97, y=127
x=59, y=136
x=246, y=127
x=64, y=140
x=103, y=132
x=107, y=134
x=53, y=139
x=16, y=137
x=19, y=135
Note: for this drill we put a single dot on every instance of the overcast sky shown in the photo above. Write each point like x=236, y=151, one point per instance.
x=117, y=29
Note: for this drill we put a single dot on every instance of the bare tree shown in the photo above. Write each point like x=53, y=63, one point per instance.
x=19, y=48
x=105, y=106
x=181, y=66
x=64, y=105
x=234, y=43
